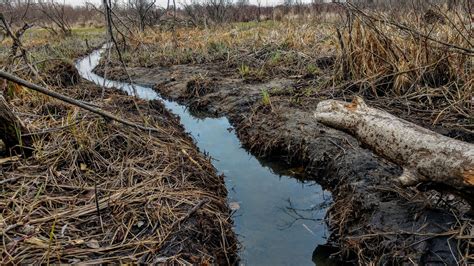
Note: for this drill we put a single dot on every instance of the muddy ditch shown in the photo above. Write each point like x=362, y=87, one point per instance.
x=270, y=206
x=372, y=218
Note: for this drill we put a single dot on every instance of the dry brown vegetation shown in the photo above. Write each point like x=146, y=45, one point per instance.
x=416, y=63
x=96, y=191
x=100, y=192
x=422, y=62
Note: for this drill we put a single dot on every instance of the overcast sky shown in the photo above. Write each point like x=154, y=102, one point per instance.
x=163, y=2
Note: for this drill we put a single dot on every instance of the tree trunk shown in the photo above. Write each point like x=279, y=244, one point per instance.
x=11, y=129
x=423, y=154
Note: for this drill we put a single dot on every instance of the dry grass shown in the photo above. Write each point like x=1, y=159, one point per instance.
x=95, y=191
x=270, y=48
x=100, y=192
x=90, y=192
x=44, y=48
x=384, y=62
x=397, y=70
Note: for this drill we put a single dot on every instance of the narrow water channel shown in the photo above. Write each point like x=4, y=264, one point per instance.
x=278, y=218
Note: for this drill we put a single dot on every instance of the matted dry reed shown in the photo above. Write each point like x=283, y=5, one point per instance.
x=409, y=63
x=97, y=192
x=365, y=53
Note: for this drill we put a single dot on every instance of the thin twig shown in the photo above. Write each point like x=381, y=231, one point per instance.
x=72, y=101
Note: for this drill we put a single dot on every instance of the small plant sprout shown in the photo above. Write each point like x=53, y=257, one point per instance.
x=276, y=58
x=313, y=70
x=266, y=101
x=244, y=70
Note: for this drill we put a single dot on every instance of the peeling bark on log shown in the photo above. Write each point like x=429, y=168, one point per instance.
x=425, y=156
x=11, y=128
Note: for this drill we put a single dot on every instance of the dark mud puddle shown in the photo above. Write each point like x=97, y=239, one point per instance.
x=278, y=218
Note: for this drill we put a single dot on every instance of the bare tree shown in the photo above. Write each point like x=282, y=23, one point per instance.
x=288, y=3
x=56, y=15
x=142, y=10
x=11, y=128
x=259, y=10
x=195, y=11
x=242, y=3
x=16, y=12
x=17, y=50
x=217, y=9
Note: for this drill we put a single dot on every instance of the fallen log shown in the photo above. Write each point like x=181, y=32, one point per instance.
x=424, y=155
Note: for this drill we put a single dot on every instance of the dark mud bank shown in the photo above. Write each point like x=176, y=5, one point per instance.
x=372, y=219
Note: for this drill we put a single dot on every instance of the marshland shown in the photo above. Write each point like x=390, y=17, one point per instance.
x=237, y=132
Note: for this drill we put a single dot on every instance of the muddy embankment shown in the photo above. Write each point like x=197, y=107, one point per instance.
x=372, y=218
x=96, y=191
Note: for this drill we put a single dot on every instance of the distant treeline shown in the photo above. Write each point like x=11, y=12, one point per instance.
x=59, y=18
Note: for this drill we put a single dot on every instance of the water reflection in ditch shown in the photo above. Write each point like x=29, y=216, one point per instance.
x=278, y=219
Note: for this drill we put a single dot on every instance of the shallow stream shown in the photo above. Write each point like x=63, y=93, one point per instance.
x=278, y=218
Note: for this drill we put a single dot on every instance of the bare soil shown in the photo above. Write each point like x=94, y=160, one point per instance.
x=372, y=219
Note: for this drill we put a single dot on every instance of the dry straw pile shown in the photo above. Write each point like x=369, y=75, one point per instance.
x=95, y=191
x=422, y=61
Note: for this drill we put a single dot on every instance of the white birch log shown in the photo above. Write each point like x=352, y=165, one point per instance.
x=423, y=154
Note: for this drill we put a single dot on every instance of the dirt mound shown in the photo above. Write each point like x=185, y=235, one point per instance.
x=60, y=73
x=199, y=86
x=373, y=219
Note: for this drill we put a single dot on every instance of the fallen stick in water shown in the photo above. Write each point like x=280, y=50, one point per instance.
x=423, y=154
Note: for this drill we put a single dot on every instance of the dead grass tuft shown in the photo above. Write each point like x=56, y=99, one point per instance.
x=199, y=86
